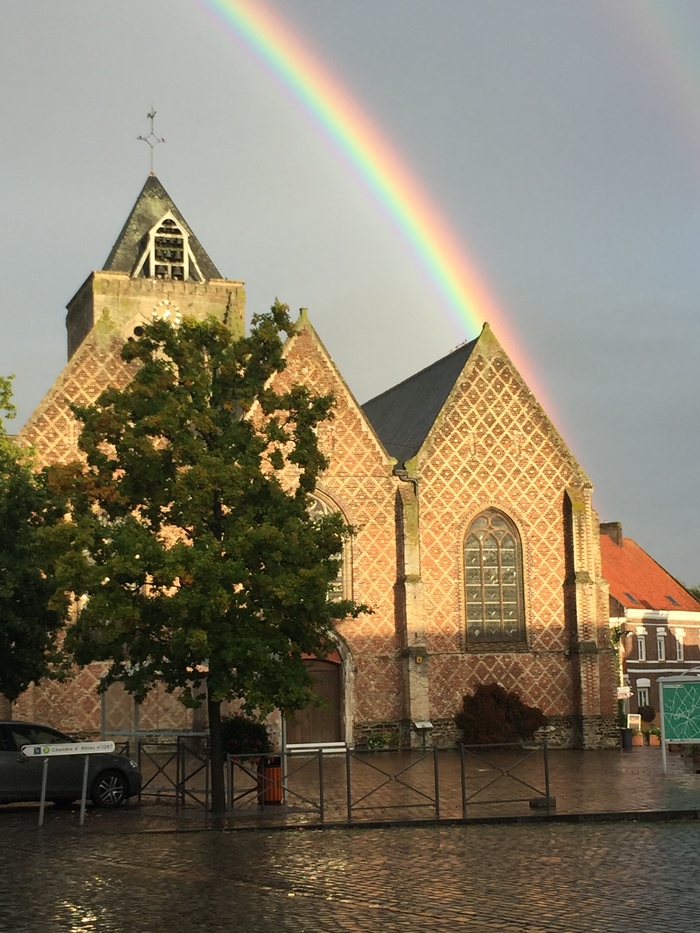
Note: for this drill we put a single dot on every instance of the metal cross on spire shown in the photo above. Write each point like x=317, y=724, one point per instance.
x=151, y=139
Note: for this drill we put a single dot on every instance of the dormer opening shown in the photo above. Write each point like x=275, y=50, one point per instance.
x=166, y=253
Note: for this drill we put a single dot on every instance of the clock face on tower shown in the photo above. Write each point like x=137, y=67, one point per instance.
x=167, y=311
x=162, y=311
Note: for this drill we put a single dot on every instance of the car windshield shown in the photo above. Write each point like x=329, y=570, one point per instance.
x=24, y=734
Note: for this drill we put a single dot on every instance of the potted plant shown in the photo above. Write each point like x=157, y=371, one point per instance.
x=637, y=738
x=654, y=736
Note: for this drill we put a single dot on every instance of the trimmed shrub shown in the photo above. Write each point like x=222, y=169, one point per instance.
x=647, y=713
x=243, y=736
x=491, y=715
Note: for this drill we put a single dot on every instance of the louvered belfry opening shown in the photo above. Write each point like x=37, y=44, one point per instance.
x=166, y=253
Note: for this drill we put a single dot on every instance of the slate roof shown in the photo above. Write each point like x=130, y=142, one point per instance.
x=638, y=582
x=403, y=415
x=152, y=203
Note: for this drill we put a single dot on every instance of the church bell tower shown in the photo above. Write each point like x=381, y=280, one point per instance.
x=157, y=267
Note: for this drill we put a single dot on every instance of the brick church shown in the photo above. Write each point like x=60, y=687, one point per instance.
x=477, y=544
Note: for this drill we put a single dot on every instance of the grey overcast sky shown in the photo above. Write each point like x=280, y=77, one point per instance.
x=560, y=140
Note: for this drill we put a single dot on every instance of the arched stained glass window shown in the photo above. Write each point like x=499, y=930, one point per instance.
x=338, y=588
x=493, y=577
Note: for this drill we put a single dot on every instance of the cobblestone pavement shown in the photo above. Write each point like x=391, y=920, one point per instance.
x=517, y=878
x=147, y=869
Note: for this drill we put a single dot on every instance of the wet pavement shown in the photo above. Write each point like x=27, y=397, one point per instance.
x=145, y=869
x=482, y=785
x=522, y=878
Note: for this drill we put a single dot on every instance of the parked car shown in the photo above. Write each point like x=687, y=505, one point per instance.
x=112, y=779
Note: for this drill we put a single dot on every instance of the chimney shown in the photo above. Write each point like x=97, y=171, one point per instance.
x=613, y=530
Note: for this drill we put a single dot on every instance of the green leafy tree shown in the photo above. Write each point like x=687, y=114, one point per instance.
x=28, y=505
x=193, y=556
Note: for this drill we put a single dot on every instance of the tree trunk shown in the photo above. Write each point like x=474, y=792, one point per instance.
x=216, y=757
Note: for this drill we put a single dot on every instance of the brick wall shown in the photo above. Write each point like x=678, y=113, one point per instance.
x=491, y=446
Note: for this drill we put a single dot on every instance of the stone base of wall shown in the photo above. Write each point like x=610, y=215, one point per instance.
x=562, y=732
x=600, y=732
x=583, y=732
x=389, y=734
x=444, y=734
x=402, y=734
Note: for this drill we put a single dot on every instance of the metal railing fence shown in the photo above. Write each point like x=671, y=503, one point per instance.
x=349, y=786
x=485, y=785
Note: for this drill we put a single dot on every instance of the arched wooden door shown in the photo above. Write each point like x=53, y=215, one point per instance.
x=314, y=723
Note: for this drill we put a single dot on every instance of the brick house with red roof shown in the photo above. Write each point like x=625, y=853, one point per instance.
x=658, y=619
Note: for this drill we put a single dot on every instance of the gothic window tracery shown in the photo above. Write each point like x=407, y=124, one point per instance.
x=493, y=577
x=339, y=587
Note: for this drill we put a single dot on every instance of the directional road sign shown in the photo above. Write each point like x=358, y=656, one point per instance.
x=67, y=748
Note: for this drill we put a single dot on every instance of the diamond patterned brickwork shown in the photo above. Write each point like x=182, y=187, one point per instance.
x=360, y=481
x=378, y=688
x=112, y=304
x=119, y=710
x=73, y=706
x=52, y=429
x=493, y=446
x=540, y=680
x=162, y=711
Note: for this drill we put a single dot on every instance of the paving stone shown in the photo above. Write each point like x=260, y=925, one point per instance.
x=122, y=872
x=536, y=878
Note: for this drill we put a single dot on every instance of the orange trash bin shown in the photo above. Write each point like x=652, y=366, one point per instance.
x=270, y=789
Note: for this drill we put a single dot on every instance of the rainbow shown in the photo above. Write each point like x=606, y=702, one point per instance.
x=465, y=294
x=659, y=38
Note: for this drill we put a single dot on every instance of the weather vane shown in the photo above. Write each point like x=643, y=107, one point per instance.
x=151, y=139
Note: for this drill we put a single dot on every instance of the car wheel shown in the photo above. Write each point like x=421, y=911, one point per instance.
x=109, y=789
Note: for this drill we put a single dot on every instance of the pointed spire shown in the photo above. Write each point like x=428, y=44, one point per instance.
x=152, y=206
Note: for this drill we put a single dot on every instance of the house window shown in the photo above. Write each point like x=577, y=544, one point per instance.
x=660, y=647
x=641, y=648
x=493, y=576
x=642, y=696
x=680, y=651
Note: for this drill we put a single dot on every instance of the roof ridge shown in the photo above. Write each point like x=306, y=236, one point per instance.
x=403, y=415
x=425, y=369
